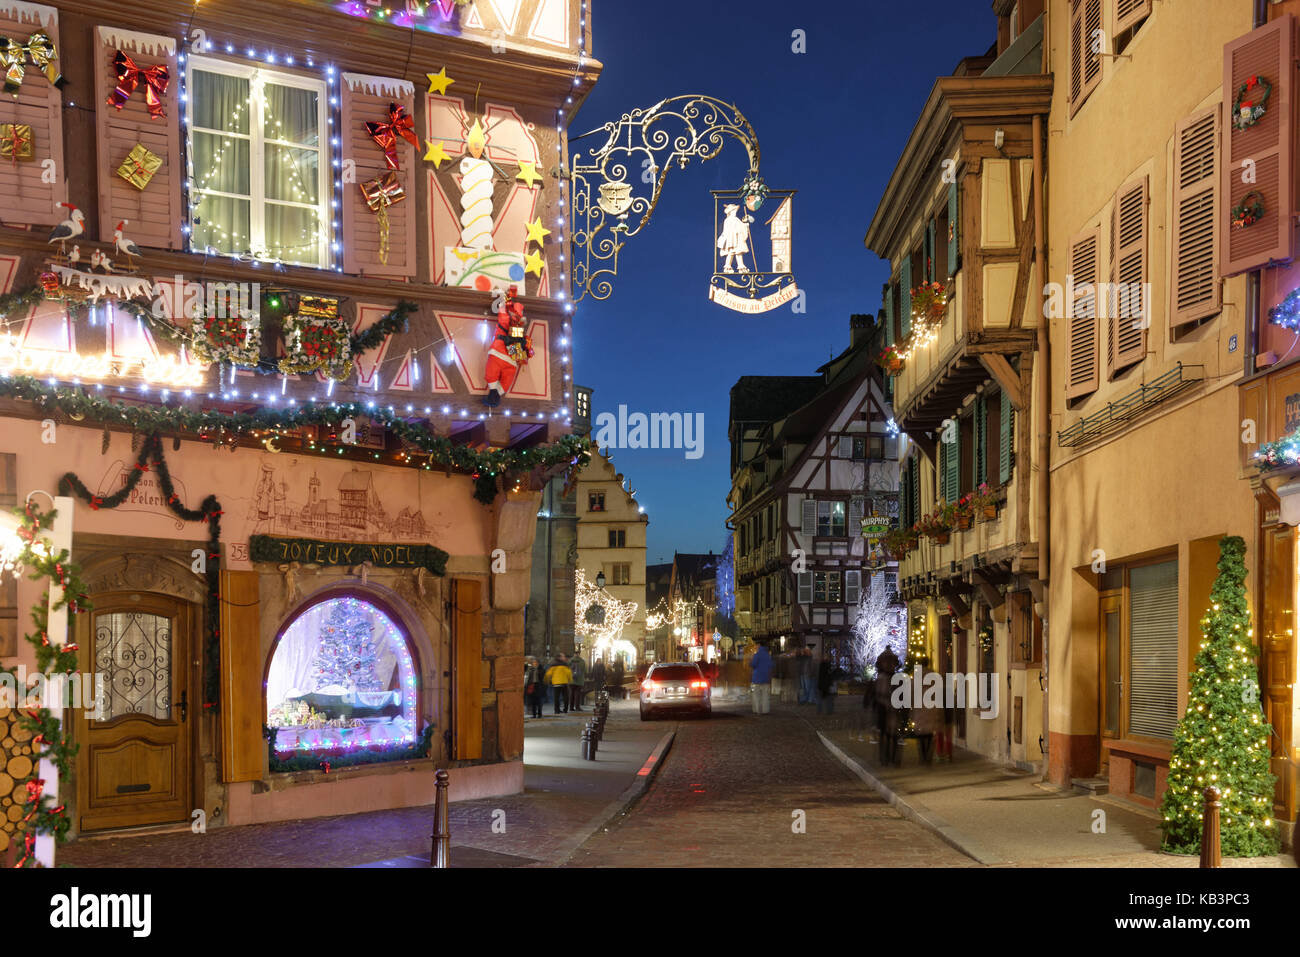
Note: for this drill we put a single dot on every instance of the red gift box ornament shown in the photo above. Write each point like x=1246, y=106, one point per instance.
x=129, y=76
x=386, y=134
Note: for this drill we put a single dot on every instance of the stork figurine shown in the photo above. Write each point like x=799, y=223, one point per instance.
x=74, y=257
x=126, y=247
x=70, y=228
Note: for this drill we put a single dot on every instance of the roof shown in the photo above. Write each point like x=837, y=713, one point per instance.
x=695, y=567
x=762, y=398
x=356, y=481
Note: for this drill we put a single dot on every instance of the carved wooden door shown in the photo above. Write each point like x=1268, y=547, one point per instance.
x=134, y=766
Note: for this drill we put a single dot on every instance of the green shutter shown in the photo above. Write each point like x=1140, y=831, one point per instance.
x=952, y=466
x=889, y=314
x=981, y=447
x=905, y=298
x=954, y=230
x=1007, y=429
x=928, y=265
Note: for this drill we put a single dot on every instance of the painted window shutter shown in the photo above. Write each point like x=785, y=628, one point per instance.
x=981, y=450
x=929, y=251
x=243, y=749
x=1082, y=374
x=887, y=307
x=1196, y=291
x=467, y=660
x=154, y=214
x=905, y=299
x=843, y=447
x=1268, y=52
x=805, y=588
x=952, y=467
x=1006, y=433
x=367, y=98
x=856, y=511
x=916, y=490
x=1126, y=307
x=852, y=587
x=1085, y=57
x=39, y=104
x=1129, y=13
x=808, y=517
x=954, y=229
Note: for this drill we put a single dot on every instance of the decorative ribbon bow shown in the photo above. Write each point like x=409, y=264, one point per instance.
x=14, y=55
x=386, y=134
x=384, y=191
x=129, y=76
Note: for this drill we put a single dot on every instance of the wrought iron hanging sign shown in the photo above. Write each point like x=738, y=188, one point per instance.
x=751, y=266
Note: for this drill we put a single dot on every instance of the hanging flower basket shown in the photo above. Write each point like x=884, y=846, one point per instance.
x=891, y=360
x=1248, y=107
x=234, y=339
x=984, y=501
x=929, y=301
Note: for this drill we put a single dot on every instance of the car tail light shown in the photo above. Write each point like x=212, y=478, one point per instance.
x=699, y=684
x=648, y=685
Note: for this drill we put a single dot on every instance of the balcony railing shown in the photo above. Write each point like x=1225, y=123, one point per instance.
x=1131, y=406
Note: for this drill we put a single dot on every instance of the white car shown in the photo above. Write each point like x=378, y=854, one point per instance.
x=675, y=686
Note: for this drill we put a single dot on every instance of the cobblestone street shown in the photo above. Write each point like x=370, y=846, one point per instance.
x=726, y=797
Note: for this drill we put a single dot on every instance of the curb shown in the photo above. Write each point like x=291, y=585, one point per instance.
x=916, y=811
x=618, y=807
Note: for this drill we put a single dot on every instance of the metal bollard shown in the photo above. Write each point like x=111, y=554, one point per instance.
x=586, y=743
x=1210, y=851
x=441, y=856
x=594, y=741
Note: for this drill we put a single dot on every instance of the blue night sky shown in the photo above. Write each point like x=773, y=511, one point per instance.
x=831, y=123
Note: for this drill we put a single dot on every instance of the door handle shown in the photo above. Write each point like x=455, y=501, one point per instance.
x=184, y=704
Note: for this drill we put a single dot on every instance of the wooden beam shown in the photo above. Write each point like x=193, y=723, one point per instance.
x=1005, y=376
x=926, y=445
x=959, y=607
x=987, y=588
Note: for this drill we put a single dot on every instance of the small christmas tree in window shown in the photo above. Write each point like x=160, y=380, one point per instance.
x=347, y=655
x=1223, y=739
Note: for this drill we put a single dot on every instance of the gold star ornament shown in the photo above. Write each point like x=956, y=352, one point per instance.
x=436, y=154
x=533, y=264
x=438, y=82
x=528, y=173
x=537, y=233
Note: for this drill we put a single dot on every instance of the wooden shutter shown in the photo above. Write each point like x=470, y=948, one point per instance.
x=28, y=199
x=852, y=587
x=1129, y=13
x=367, y=98
x=980, y=459
x=1082, y=375
x=1270, y=53
x=154, y=214
x=887, y=311
x=856, y=511
x=1127, y=306
x=1196, y=291
x=951, y=479
x=1006, y=433
x=905, y=299
x=805, y=595
x=1085, y=61
x=954, y=230
x=929, y=264
x=467, y=669
x=916, y=490
x=1153, y=650
x=808, y=516
x=243, y=712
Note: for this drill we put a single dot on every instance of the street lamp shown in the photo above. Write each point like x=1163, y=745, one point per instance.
x=600, y=579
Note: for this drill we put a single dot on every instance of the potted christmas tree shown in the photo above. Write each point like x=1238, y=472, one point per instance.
x=1223, y=739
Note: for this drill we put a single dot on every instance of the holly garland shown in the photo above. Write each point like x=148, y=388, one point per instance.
x=487, y=465
x=209, y=511
x=52, y=658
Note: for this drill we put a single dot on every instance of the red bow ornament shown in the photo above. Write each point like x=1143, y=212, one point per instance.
x=129, y=76
x=386, y=134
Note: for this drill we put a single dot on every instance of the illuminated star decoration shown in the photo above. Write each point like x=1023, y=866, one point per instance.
x=528, y=173
x=436, y=154
x=533, y=264
x=537, y=233
x=438, y=82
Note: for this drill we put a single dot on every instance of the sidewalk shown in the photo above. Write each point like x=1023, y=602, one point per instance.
x=565, y=800
x=998, y=815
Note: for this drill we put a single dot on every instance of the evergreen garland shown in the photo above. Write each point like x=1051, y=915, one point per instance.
x=342, y=758
x=1223, y=739
x=209, y=511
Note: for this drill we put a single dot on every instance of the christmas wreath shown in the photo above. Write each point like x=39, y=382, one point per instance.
x=315, y=339
x=1248, y=105
x=234, y=339
x=1249, y=211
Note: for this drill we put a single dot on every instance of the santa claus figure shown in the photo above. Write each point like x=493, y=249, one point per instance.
x=511, y=349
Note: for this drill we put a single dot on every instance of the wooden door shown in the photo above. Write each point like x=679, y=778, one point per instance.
x=1277, y=648
x=134, y=765
x=1110, y=677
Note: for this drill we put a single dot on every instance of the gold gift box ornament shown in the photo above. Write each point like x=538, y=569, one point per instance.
x=139, y=166
x=16, y=142
x=380, y=194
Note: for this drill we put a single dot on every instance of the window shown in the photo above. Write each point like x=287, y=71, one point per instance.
x=260, y=169
x=830, y=519
x=826, y=588
x=596, y=501
x=342, y=658
x=1129, y=17
x=620, y=573
x=617, y=538
x=860, y=447
x=1139, y=650
x=1087, y=39
x=1196, y=291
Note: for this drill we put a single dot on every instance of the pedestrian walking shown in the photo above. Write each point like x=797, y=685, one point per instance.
x=559, y=676
x=533, y=678
x=616, y=675
x=760, y=680
x=887, y=716
x=828, y=677
x=578, y=668
x=805, y=671
x=925, y=720
x=598, y=675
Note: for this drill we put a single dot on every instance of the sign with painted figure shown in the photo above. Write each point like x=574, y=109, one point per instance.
x=752, y=255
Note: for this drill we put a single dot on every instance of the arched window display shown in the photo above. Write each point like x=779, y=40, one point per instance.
x=341, y=680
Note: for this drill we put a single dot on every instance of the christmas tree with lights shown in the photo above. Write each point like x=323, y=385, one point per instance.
x=1223, y=739
x=346, y=655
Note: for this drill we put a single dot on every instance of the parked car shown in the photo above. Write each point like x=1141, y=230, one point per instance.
x=675, y=686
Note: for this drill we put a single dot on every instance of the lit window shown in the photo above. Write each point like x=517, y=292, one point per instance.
x=830, y=518
x=260, y=170
x=826, y=588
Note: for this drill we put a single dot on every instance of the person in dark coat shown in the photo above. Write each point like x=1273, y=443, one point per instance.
x=598, y=675
x=533, y=686
x=887, y=716
x=616, y=675
x=828, y=673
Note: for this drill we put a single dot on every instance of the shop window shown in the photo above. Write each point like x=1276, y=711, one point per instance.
x=342, y=679
x=1138, y=664
x=261, y=183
